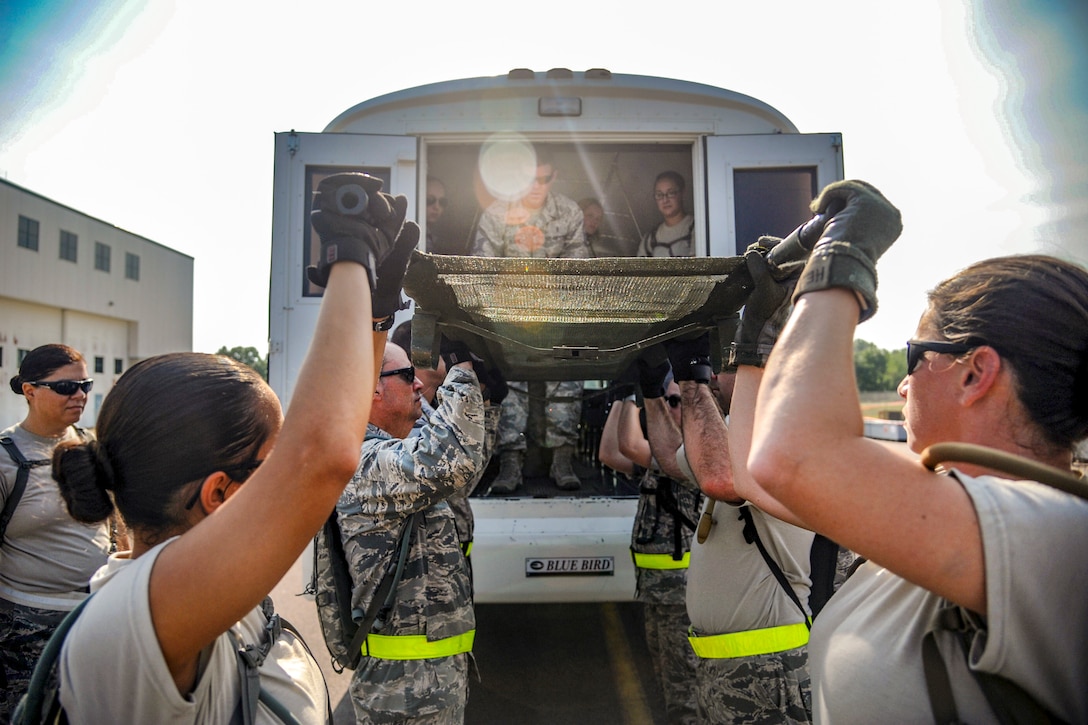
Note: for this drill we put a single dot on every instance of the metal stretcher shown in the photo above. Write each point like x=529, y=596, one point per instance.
x=570, y=319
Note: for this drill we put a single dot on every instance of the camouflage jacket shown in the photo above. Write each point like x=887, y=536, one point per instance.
x=511, y=230
x=397, y=477
x=462, y=511
x=667, y=512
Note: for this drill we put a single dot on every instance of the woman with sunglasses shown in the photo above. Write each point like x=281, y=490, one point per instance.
x=46, y=557
x=184, y=450
x=1000, y=360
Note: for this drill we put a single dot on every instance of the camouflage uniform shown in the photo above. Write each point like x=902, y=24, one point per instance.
x=510, y=230
x=24, y=632
x=731, y=589
x=563, y=413
x=395, y=479
x=664, y=523
x=554, y=230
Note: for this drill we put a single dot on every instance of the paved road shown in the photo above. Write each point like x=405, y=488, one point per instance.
x=539, y=664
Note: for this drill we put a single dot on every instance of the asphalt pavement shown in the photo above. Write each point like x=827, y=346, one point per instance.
x=538, y=664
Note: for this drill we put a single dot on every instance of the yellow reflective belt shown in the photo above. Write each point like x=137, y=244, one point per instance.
x=753, y=642
x=660, y=561
x=416, y=646
x=466, y=548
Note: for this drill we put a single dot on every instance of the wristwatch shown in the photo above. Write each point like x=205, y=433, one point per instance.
x=385, y=324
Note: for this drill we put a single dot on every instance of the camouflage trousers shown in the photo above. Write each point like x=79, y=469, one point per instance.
x=420, y=692
x=24, y=632
x=562, y=412
x=673, y=659
x=766, y=689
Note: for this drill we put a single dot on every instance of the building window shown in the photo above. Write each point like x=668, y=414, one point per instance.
x=118, y=366
x=23, y=352
x=99, y=364
x=69, y=244
x=28, y=233
x=132, y=266
x=102, y=256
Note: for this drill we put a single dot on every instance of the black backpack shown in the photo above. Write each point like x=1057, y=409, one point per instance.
x=344, y=628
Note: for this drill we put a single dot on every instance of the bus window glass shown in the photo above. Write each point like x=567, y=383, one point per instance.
x=311, y=246
x=771, y=201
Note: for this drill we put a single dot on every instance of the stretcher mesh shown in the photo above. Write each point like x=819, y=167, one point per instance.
x=568, y=319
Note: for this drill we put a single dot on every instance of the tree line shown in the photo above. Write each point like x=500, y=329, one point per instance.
x=876, y=369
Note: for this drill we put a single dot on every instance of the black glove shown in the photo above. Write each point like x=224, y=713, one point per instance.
x=653, y=371
x=690, y=358
x=493, y=382
x=386, y=298
x=767, y=307
x=456, y=351
x=624, y=385
x=852, y=242
x=356, y=223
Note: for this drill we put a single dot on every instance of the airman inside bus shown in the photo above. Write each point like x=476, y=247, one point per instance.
x=538, y=224
x=674, y=237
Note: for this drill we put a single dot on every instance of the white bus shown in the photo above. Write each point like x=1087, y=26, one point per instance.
x=748, y=171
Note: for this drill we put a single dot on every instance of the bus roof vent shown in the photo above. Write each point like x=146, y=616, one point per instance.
x=520, y=74
x=598, y=74
x=564, y=74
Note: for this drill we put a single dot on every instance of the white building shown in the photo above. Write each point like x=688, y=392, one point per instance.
x=68, y=277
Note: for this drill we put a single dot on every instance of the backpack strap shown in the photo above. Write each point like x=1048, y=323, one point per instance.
x=386, y=594
x=751, y=535
x=20, y=481
x=1010, y=703
x=250, y=658
x=823, y=562
x=40, y=696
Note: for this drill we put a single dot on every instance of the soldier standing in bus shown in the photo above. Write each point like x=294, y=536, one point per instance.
x=538, y=224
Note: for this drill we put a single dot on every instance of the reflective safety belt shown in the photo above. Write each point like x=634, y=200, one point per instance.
x=660, y=561
x=753, y=642
x=466, y=548
x=416, y=646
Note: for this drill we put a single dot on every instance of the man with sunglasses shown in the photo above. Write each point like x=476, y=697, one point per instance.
x=544, y=224
x=436, y=207
x=415, y=663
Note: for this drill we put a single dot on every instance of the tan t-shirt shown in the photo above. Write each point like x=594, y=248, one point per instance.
x=112, y=670
x=866, y=653
x=47, y=557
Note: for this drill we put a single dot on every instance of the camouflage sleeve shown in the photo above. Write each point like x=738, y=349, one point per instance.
x=491, y=434
x=575, y=247
x=489, y=238
x=399, y=476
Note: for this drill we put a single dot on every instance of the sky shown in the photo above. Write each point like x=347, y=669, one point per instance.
x=158, y=116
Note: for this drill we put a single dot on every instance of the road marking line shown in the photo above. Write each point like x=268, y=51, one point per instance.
x=628, y=687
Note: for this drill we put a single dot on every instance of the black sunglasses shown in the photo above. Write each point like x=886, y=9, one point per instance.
x=917, y=348
x=238, y=474
x=66, y=388
x=440, y=200
x=407, y=374
x=673, y=400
